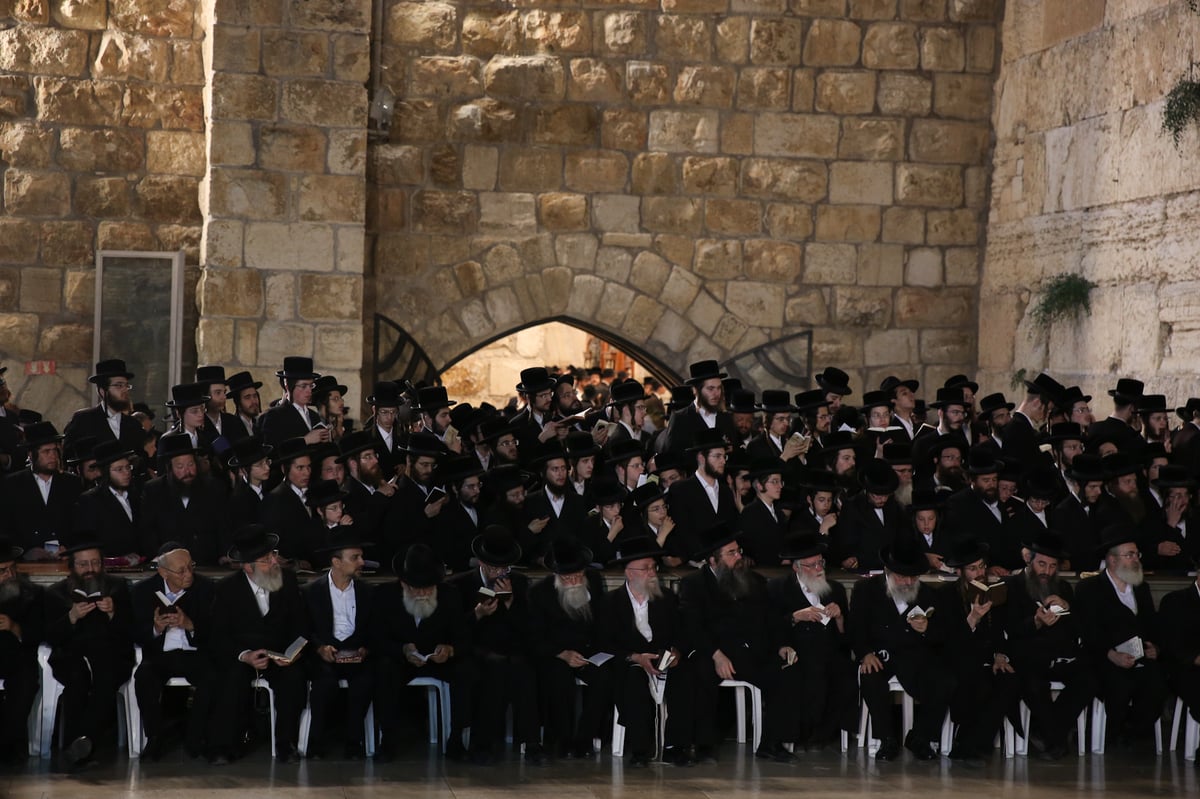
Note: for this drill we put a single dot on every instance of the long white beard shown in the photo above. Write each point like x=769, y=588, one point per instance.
x=575, y=600
x=904, y=494
x=815, y=585
x=420, y=607
x=269, y=581
x=651, y=588
x=1130, y=573
x=904, y=593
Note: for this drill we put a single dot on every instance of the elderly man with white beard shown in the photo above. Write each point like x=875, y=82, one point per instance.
x=1120, y=635
x=810, y=613
x=566, y=624
x=895, y=635
x=256, y=610
x=421, y=630
x=644, y=626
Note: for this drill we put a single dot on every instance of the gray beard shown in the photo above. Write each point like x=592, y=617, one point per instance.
x=267, y=581
x=575, y=600
x=904, y=494
x=651, y=589
x=734, y=583
x=1131, y=574
x=815, y=585
x=905, y=594
x=420, y=607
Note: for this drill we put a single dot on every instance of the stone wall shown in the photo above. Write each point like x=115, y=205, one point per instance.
x=695, y=177
x=1085, y=182
x=101, y=147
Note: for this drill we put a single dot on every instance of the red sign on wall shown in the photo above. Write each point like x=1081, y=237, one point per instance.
x=40, y=367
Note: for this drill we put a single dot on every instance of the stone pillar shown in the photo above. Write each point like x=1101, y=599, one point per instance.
x=283, y=197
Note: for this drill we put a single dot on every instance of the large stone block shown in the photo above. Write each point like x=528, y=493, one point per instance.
x=302, y=148
x=18, y=241
x=530, y=169
x=296, y=246
x=101, y=150
x=91, y=15
x=232, y=144
x=880, y=265
x=71, y=243
x=129, y=57
x=804, y=181
x=789, y=221
x=78, y=102
x=718, y=259
x=151, y=106
x=655, y=173
x=616, y=213
x=796, y=135
x=563, y=212
x=293, y=53
x=830, y=263
x=557, y=31
x=251, y=193
x=29, y=193
x=904, y=225
x=236, y=48
x=430, y=26
x=69, y=343
x=170, y=18
x=672, y=215
x=41, y=290
x=330, y=297
x=962, y=266
x=643, y=316
x=963, y=96
x=891, y=45
x=960, y=226
x=43, y=51
x=710, y=176
x=20, y=334
x=446, y=211
x=863, y=307
x=648, y=83
x=230, y=292
x=776, y=41
x=439, y=76
x=625, y=129
x=236, y=96
x=623, y=33
x=680, y=289
x=586, y=291
x=947, y=346
x=683, y=38
x=571, y=124
x=872, y=139
x=526, y=77
x=673, y=333
x=832, y=43
x=763, y=89
x=168, y=198
x=26, y=145
x=921, y=184
x=351, y=57
x=860, y=182
x=848, y=222
x=102, y=197
x=732, y=39
x=924, y=267
x=507, y=212
x=614, y=264
x=948, y=142
x=775, y=261
x=332, y=198
x=175, y=152
x=943, y=50
x=806, y=309
x=905, y=95
x=123, y=236
x=649, y=273
x=486, y=33
x=326, y=103
x=890, y=347
x=705, y=85
x=336, y=15
x=593, y=80
x=398, y=165
x=705, y=312
x=684, y=131
x=596, y=171
x=846, y=92
x=79, y=292
x=944, y=307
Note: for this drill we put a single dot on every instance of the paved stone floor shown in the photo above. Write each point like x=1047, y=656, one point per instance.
x=420, y=773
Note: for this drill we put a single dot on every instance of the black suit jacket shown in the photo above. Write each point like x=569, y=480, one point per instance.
x=1028, y=645
x=1179, y=620
x=287, y=515
x=320, y=613
x=568, y=524
x=238, y=624
x=200, y=527
x=975, y=647
x=283, y=421
x=551, y=630
x=1124, y=436
x=196, y=602
x=715, y=621
x=1105, y=623
x=232, y=428
x=810, y=639
x=859, y=533
x=876, y=624
x=506, y=630
x=685, y=424
x=455, y=532
x=245, y=505
x=693, y=514
x=99, y=511
x=27, y=609
x=33, y=522
x=761, y=446
x=762, y=534
x=1154, y=530
x=94, y=422
x=95, y=633
x=622, y=638
x=968, y=516
x=395, y=627
x=1020, y=441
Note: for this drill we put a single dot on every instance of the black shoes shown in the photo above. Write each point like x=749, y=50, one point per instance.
x=775, y=752
x=889, y=749
x=639, y=760
x=288, y=753
x=79, y=751
x=682, y=756
x=706, y=755
x=921, y=749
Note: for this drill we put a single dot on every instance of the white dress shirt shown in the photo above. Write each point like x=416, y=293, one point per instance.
x=343, y=609
x=303, y=411
x=123, y=499
x=176, y=637
x=114, y=421
x=1127, y=598
x=260, y=596
x=641, y=614
x=713, y=491
x=43, y=484
x=556, y=503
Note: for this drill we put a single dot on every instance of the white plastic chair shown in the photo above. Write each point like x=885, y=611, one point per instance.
x=1191, y=731
x=740, y=688
x=306, y=724
x=1100, y=729
x=133, y=711
x=1021, y=744
x=864, y=724
x=660, y=727
x=439, y=697
x=51, y=692
x=259, y=682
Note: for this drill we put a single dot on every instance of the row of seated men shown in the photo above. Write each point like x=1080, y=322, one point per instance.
x=500, y=641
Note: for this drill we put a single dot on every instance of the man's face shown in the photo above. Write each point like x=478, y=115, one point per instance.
x=441, y=420
x=1092, y=491
x=89, y=471
x=952, y=417
x=1044, y=566
x=974, y=571
x=742, y=485
x=506, y=448
x=335, y=403
x=332, y=470
x=656, y=512
x=332, y=513
x=564, y=396
x=5, y=394
x=844, y=464
x=584, y=467
x=116, y=394
x=299, y=471
x=87, y=563
x=302, y=392
x=639, y=415
x=713, y=462
x=1000, y=418
x=986, y=486
x=631, y=471
x=177, y=569
x=1153, y=469
x=1125, y=486
x=8, y=571
x=877, y=501
x=879, y=416
x=925, y=521
x=730, y=555
x=810, y=568
x=1156, y=425
x=668, y=477
x=1070, y=449
x=120, y=474
x=385, y=418
x=824, y=419
x=515, y=496
x=769, y=487
x=1006, y=489
x=367, y=463
x=1178, y=495
x=542, y=400
x=821, y=502
x=903, y=399
x=709, y=395
x=835, y=402
x=780, y=423
x=260, y=471
x=904, y=472
x=949, y=461
x=743, y=423
x=47, y=459
x=193, y=417
x=1037, y=504
x=555, y=473
x=217, y=394
x=468, y=491
x=640, y=573
x=348, y=563
x=1081, y=413
x=249, y=402
x=421, y=468
x=1105, y=449
x=183, y=469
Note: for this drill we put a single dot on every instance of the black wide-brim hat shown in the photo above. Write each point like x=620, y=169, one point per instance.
x=776, y=401
x=356, y=442
x=290, y=449
x=297, y=367
x=425, y=445
x=339, y=537
x=433, y=398
x=629, y=391
x=249, y=451
x=209, y=375
x=741, y=400
x=456, y=468
x=1152, y=403
x=765, y=466
x=948, y=441
x=1172, y=476
x=493, y=429
x=704, y=370
x=904, y=558
x=949, y=396
x=891, y=383
x=496, y=546
x=807, y=401
x=644, y=495
x=83, y=450
x=109, y=452
x=992, y=403
x=107, y=370
x=966, y=552
x=927, y=499
x=385, y=395
x=624, y=450
x=1048, y=543
x=1128, y=389
x=547, y=451
x=323, y=492
x=875, y=399
x=1045, y=386
x=1113, y=536
x=636, y=548
x=188, y=395
x=81, y=540
x=1086, y=468
x=961, y=381
x=681, y=397
x=580, y=444
x=606, y=490
x=1189, y=407
x=326, y=385
x=877, y=476
x=422, y=567
x=535, y=379
x=713, y=538
x=567, y=556
x=1065, y=431
x=804, y=545
x=240, y=381
x=983, y=460
x=40, y=433
x=252, y=542
x=834, y=381
x=1119, y=464
x=834, y=442
x=172, y=445
x=506, y=477
x=707, y=438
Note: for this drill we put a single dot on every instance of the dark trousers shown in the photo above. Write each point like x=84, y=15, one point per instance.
x=394, y=676
x=766, y=675
x=925, y=678
x=556, y=682
x=1133, y=698
x=1185, y=682
x=90, y=684
x=233, y=699
x=1055, y=718
x=980, y=702
x=19, y=670
x=820, y=696
x=502, y=681
x=360, y=679
x=152, y=676
x=639, y=712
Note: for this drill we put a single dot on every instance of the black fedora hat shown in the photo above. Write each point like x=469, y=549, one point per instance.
x=707, y=438
x=1048, y=543
x=947, y=441
x=240, y=381
x=188, y=395
x=9, y=551
x=815, y=480
x=172, y=445
x=1086, y=468
x=875, y=399
x=961, y=381
x=834, y=442
x=741, y=401
x=877, y=476
x=1152, y=403
x=898, y=454
x=1113, y=536
x=765, y=466
x=422, y=567
x=903, y=557
x=607, y=491
x=580, y=444
x=547, y=451
x=40, y=433
x=356, y=442
x=433, y=398
x=637, y=547
x=107, y=370
x=700, y=371
x=625, y=450
x=667, y=460
x=1172, y=476
x=1045, y=386
x=79, y=541
x=629, y=391
x=507, y=477
x=949, y=396
x=1042, y=482
x=992, y=403
x=567, y=556
x=456, y=468
x=804, y=545
x=326, y=385
x=927, y=499
x=1128, y=389
x=644, y=495
x=891, y=383
x=109, y=452
x=210, y=375
x=833, y=381
x=1065, y=431
x=712, y=539
x=324, y=492
x=342, y=537
x=385, y=395
x=28, y=416
x=1192, y=406
x=290, y=449
x=535, y=379
x=811, y=400
x=251, y=542
x=966, y=552
x=297, y=367
x=1072, y=395
x=249, y=451
x=496, y=546
x=730, y=385
x=983, y=460
x=681, y=397
x=465, y=417
x=492, y=430
x=1119, y=464
x=776, y=401
x=425, y=445
x=83, y=450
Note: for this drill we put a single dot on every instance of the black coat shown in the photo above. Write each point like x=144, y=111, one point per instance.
x=859, y=533
x=395, y=628
x=693, y=514
x=684, y=425
x=876, y=625
x=975, y=647
x=762, y=534
x=285, y=514
x=1105, y=623
x=715, y=621
x=27, y=609
x=100, y=511
x=95, y=632
x=622, y=638
x=232, y=428
x=1021, y=527
x=568, y=524
x=808, y=638
x=1125, y=437
x=553, y=631
x=506, y=630
x=32, y=522
x=1020, y=441
x=320, y=613
x=968, y=516
x=245, y=505
x=762, y=446
x=1028, y=644
x=200, y=527
x=196, y=602
x=238, y=624
x=1179, y=620
x=283, y=421
x=94, y=422
x=1154, y=530
x=454, y=532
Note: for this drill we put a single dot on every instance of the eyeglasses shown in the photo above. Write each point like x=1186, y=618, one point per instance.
x=732, y=553
x=302, y=386
x=1129, y=555
x=820, y=564
x=775, y=481
x=120, y=386
x=544, y=394
x=191, y=567
x=653, y=568
x=125, y=468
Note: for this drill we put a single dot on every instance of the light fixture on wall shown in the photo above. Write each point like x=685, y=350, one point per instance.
x=383, y=105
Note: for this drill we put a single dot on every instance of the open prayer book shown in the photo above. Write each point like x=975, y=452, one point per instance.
x=918, y=611
x=488, y=593
x=290, y=654
x=1132, y=647
x=1056, y=609
x=665, y=660
x=994, y=592
x=84, y=596
x=165, y=603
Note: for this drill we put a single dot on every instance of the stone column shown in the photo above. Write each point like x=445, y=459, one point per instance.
x=283, y=197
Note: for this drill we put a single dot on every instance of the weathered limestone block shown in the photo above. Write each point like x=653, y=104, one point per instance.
x=175, y=152
x=294, y=53
x=557, y=31
x=79, y=292
x=829, y=263
x=562, y=212
x=960, y=226
x=962, y=266
x=102, y=197
x=655, y=173
x=613, y=264
x=505, y=211
x=339, y=15
x=571, y=124
x=528, y=77
x=617, y=213
x=832, y=43
x=943, y=50
x=920, y=184
x=251, y=193
x=486, y=33
x=18, y=241
x=29, y=193
x=595, y=81
x=26, y=144
x=672, y=215
x=904, y=225
x=484, y=120
x=295, y=246
x=70, y=243
x=962, y=96
x=705, y=312
x=624, y=33
x=173, y=18
x=89, y=15
x=43, y=51
x=718, y=259
x=332, y=198
x=905, y=95
x=432, y=26
x=924, y=267
x=949, y=142
x=880, y=265
x=789, y=221
x=705, y=85
x=530, y=169
x=860, y=182
x=683, y=38
x=806, y=309
x=681, y=288
x=125, y=56
x=648, y=83
x=351, y=57
x=625, y=129
x=101, y=150
x=78, y=102
x=237, y=96
x=71, y=343
x=324, y=102
x=846, y=92
x=596, y=171
x=167, y=198
x=446, y=211
x=230, y=292
x=155, y=106
x=776, y=261
x=872, y=139
x=710, y=176
x=763, y=89
x=41, y=290
x=643, y=316
x=863, y=307
x=942, y=307
x=776, y=41
x=804, y=181
x=737, y=134
x=123, y=236
x=891, y=45
x=981, y=48
x=649, y=273
x=732, y=39
x=330, y=297
x=848, y=222
x=440, y=76
x=797, y=135
x=684, y=131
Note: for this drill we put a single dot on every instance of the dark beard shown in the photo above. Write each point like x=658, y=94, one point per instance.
x=10, y=590
x=121, y=406
x=1132, y=506
x=734, y=583
x=708, y=471
x=953, y=478
x=557, y=491
x=88, y=585
x=1033, y=584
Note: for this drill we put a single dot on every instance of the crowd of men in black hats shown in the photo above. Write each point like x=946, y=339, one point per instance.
x=960, y=528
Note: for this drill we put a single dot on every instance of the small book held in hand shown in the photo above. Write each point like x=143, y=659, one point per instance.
x=1133, y=647
x=488, y=593
x=919, y=611
x=292, y=651
x=84, y=596
x=995, y=592
x=665, y=660
x=347, y=656
x=165, y=603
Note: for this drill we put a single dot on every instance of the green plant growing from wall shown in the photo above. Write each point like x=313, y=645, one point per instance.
x=1064, y=296
x=1018, y=379
x=1182, y=107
